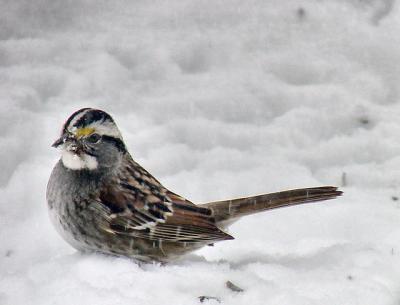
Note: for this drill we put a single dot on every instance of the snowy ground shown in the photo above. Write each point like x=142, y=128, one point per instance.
x=217, y=99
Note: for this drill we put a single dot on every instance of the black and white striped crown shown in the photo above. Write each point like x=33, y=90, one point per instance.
x=88, y=120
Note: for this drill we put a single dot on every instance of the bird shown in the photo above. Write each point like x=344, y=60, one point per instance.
x=101, y=200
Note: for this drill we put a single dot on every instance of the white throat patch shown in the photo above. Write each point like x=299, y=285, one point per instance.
x=77, y=162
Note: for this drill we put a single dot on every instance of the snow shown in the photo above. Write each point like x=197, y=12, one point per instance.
x=217, y=99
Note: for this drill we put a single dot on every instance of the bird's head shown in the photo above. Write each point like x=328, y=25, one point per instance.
x=90, y=140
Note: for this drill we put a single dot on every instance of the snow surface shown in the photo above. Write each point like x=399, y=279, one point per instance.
x=217, y=99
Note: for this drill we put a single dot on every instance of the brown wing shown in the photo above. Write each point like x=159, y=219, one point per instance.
x=137, y=204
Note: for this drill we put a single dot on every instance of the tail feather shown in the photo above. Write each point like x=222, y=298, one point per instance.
x=231, y=209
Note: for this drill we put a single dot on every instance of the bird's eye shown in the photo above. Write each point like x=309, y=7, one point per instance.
x=93, y=138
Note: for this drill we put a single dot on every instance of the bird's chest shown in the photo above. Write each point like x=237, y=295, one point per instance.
x=69, y=202
x=68, y=196
x=69, y=215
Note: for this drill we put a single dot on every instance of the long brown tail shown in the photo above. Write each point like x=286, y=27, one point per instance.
x=231, y=209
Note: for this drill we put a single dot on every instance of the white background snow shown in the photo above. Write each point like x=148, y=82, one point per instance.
x=217, y=99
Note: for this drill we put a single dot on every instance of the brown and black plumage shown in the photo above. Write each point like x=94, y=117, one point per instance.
x=101, y=200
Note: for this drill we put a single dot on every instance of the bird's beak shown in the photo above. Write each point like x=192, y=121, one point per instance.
x=59, y=141
x=71, y=143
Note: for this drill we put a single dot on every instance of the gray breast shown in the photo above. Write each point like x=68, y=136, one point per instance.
x=68, y=194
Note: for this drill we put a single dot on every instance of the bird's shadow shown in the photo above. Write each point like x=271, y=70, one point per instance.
x=302, y=261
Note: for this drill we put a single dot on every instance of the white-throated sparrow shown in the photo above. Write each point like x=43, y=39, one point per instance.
x=101, y=200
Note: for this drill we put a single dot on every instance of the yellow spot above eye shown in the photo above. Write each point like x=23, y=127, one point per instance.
x=83, y=132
